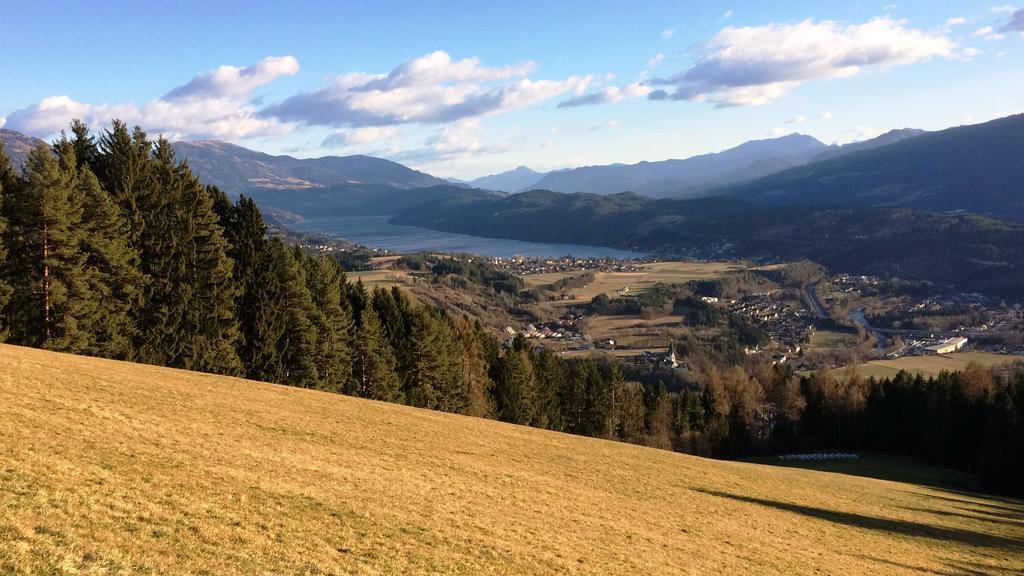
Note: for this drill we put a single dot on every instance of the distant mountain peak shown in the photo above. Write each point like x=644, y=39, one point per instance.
x=519, y=178
x=237, y=169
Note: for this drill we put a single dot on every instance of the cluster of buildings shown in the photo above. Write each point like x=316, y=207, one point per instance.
x=565, y=328
x=525, y=266
x=784, y=323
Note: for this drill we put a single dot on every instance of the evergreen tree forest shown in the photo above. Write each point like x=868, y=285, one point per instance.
x=112, y=247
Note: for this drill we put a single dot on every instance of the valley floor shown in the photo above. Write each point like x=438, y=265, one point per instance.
x=109, y=467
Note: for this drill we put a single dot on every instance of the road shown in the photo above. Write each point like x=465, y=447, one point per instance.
x=812, y=295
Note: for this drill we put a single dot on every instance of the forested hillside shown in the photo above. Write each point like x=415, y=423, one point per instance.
x=974, y=168
x=971, y=252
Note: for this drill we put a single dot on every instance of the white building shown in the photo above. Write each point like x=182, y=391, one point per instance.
x=947, y=346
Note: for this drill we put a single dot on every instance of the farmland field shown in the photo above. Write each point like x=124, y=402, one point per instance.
x=647, y=276
x=115, y=468
x=381, y=278
x=832, y=339
x=932, y=365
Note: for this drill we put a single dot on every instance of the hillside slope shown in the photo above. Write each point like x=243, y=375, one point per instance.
x=110, y=467
x=17, y=146
x=975, y=168
x=968, y=251
x=238, y=170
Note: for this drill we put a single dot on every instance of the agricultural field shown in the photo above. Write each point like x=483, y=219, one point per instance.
x=931, y=365
x=381, y=278
x=115, y=468
x=647, y=276
x=832, y=339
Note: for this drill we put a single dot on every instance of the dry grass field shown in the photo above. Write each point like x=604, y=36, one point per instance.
x=381, y=278
x=114, y=468
x=931, y=365
x=832, y=339
x=649, y=275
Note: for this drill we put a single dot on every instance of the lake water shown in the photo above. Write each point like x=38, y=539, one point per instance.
x=376, y=232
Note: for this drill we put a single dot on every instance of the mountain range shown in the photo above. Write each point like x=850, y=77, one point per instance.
x=239, y=170
x=977, y=168
x=689, y=176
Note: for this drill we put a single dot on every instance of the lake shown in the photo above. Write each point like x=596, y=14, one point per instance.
x=376, y=232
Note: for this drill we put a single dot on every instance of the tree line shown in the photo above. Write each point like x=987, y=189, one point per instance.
x=112, y=247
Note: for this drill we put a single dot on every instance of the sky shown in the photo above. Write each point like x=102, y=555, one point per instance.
x=464, y=89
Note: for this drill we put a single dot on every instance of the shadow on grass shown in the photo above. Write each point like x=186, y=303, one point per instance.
x=886, y=525
x=1008, y=508
x=886, y=467
x=958, y=570
x=979, y=515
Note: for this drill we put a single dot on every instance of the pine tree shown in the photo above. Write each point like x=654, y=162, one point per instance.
x=373, y=363
x=432, y=378
x=111, y=266
x=332, y=320
x=124, y=168
x=46, y=266
x=6, y=180
x=516, y=388
x=574, y=399
x=298, y=342
x=551, y=381
x=86, y=150
x=396, y=319
x=187, y=320
x=474, y=369
x=260, y=319
x=359, y=301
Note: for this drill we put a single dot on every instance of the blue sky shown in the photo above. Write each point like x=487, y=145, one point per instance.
x=469, y=88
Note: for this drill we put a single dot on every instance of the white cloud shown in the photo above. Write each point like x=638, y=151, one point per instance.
x=429, y=89
x=458, y=140
x=1004, y=9
x=606, y=125
x=957, y=21
x=365, y=135
x=755, y=65
x=607, y=95
x=825, y=115
x=988, y=33
x=655, y=61
x=797, y=120
x=668, y=33
x=212, y=105
x=727, y=15
x=232, y=82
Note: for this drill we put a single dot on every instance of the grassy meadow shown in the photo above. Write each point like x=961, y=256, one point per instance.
x=115, y=468
x=931, y=365
x=647, y=276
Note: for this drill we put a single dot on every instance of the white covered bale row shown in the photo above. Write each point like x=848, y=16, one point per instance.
x=820, y=456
